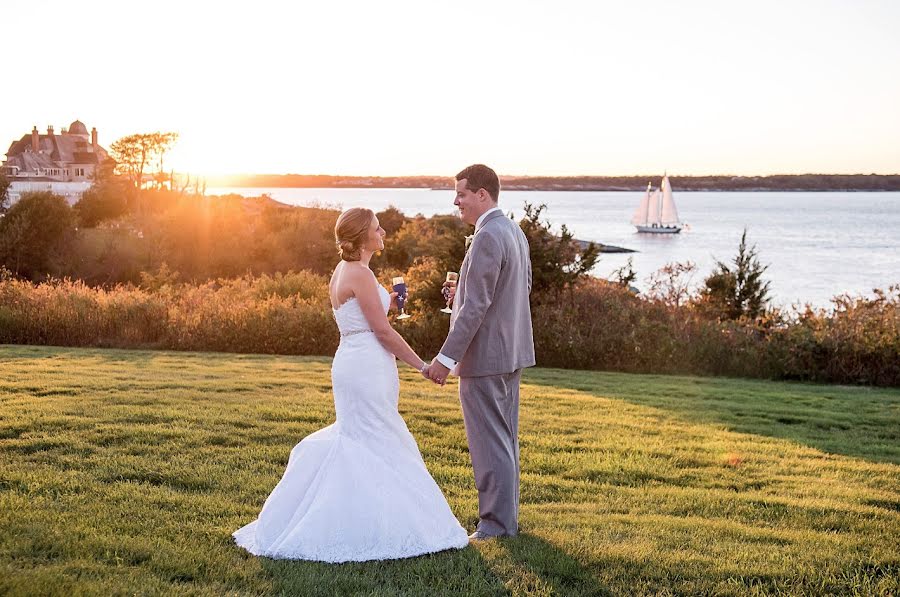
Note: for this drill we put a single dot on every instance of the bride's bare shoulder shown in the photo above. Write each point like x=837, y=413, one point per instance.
x=351, y=271
x=348, y=278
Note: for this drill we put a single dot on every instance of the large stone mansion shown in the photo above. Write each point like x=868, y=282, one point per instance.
x=63, y=163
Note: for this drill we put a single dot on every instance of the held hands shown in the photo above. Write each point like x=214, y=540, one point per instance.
x=426, y=372
x=437, y=372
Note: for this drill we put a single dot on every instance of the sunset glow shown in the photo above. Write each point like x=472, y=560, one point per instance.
x=423, y=88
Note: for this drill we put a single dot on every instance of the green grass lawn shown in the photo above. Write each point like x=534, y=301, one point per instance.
x=126, y=472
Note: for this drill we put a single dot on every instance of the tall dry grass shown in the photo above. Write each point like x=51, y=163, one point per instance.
x=281, y=314
x=592, y=325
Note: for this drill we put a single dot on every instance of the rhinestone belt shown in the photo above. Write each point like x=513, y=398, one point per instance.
x=354, y=332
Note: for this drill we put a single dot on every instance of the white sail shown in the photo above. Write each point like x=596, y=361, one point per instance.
x=655, y=207
x=668, y=214
x=640, y=216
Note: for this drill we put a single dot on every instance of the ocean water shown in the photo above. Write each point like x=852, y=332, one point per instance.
x=817, y=245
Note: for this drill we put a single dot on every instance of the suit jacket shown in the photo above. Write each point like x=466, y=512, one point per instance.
x=490, y=328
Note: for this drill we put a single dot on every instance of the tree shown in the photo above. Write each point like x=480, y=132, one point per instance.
x=625, y=275
x=738, y=291
x=140, y=153
x=391, y=219
x=441, y=237
x=556, y=260
x=34, y=234
x=105, y=200
x=4, y=192
x=671, y=284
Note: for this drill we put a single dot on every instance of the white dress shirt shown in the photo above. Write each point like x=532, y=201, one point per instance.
x=442, y=358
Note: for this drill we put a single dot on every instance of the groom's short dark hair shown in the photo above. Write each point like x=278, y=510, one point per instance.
x=479, y=176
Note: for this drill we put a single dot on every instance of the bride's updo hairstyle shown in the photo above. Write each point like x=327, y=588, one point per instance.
x=351, y=231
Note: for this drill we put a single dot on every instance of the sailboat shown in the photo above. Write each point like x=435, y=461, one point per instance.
x=656, y=213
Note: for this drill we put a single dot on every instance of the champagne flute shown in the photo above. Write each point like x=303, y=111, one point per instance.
x=452, y=278
x=400, y=289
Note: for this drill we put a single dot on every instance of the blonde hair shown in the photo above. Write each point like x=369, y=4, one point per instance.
x=351, y=231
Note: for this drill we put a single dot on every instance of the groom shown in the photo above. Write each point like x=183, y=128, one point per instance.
x=489, y=343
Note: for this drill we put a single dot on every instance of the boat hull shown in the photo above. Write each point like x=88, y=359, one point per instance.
x=659, y=229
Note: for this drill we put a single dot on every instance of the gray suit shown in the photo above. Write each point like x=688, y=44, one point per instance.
x=491, y=338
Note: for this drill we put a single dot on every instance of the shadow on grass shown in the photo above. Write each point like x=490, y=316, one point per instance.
x=462, y=572
x=861, y=422
x=542, y=568
x=520, y=565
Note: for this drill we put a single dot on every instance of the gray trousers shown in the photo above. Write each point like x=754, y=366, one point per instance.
x=490, y=407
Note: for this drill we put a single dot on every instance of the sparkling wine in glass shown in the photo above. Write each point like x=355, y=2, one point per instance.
x=452, y=278
x=400, y=289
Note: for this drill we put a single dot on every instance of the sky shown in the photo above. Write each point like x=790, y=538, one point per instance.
x=428, y=87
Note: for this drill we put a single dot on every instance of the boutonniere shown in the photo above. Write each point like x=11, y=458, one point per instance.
x=469, y=240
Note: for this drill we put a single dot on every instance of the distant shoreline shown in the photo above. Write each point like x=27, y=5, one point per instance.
x=781, y=183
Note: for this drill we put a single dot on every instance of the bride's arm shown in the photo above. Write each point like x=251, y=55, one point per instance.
x=366, y=292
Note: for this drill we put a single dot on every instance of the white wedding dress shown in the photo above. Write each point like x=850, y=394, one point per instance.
x=358, y=489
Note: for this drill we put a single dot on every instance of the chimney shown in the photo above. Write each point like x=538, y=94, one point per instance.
x=50, y=130
x=94, y=139
x=35, y=140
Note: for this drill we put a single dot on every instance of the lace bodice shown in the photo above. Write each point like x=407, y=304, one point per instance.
x=350, y=318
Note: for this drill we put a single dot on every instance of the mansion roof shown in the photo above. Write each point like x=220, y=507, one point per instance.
x=65, y=148
x=72, y=146
x=28, y=160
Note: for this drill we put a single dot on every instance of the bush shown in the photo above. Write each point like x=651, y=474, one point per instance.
x=737, y=291
x=593, y=324
x=101, y=202
x=35, y=233
x=240, y=315
x=858, y=343
x=69, y=313
x=442, y=239
x=556, y=260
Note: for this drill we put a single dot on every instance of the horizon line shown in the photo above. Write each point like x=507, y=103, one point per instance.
x=641, y=175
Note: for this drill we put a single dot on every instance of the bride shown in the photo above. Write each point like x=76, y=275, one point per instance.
x=358, y=489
